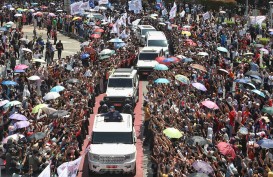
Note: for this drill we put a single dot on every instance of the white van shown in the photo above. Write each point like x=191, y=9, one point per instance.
x=157, y=39
x=112, y=148
x=141, y=32
x=146, y=59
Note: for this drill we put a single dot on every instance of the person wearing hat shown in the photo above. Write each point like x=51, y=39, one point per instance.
x=113, y=115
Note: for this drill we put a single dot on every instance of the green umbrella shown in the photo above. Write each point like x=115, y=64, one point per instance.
x=268, y=110
x=38, y=107
x=172, y=133
x=104, y=57
x=182, y=78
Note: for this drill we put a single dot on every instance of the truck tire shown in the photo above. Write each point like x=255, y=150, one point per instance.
x=133, y=173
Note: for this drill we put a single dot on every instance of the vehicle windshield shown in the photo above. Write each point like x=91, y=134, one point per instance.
x=147, y=56
x=144, y=31
x=157, y=43
x=120, y=82
x=112, y=137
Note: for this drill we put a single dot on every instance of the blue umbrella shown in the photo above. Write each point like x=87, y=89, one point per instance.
x=256, y=77
x=119, y=45
x=85, y=56
x=57, y=88
x=162, y=81
x=244, y=80
x=19, y=71
x=161, y=67
x=9, y=83
x=169, y=60
x=266, y=143
x=271, y=33
x=116, y=40
x=187, y=60
x=258, y=92
x=3, y=29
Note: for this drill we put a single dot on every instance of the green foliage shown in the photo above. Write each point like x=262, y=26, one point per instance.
x=263, y=26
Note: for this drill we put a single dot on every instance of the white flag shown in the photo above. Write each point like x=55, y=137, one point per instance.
x=45, y=172
x=164, y=12
x=173, y=11
x=206, y=16
x=123, y=34
x=129, y=20
x=69, y=168
x=136, y=22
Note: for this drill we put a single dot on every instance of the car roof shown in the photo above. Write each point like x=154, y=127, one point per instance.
x=123, y=73
x=124, y=126
x=145, y=27
x=151, y=50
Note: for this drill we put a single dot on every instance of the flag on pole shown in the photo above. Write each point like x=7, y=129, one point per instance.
x=173, y=11
x=206, y=16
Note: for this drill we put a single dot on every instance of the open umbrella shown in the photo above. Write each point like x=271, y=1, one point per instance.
x=34, y=78
x=186, y=60
x=3, y=29
x=51, y=96
x=223, y=71
x=19, y=71
x=58, y=114
x=258, y=92
x=107, y=52
x=248, y=73
x=9, y=83
x=187, y=33
x=14, y=137
x=265, y=51
x=38, y=60
x=37, y=136
x=266, y=143
x=197, y=139
x=243, y=131
x=85, y=56
x=96, y=36
x=26, y=50
x=202, y=167
x=161, y=67
x=22, y=124
x=268, y=110
x=248, y=53
x=183, y=79
x=243, y=80
x=99, y=30
x=12, y=103
x=171, y=60
x=51, y=15
x=117, y=40
x=199, y=86
x=199, y=67
x=37, y=107
x=2, y=103
x=210, y=104
x=21, y=66
x=18, y=15
x=203, y=54
x=172, y=133
x=162, y=81
x=226, y=149
x=17, y=116
x=198, y=175
x=73, y=80
x=57, y=88
x=222, y=49
x=48, y=110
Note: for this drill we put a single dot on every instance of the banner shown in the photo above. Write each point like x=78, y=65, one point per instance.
x=75, y=8
x=257, y=20
x=173, y=11
x=103, y=2
x=69, y=169
x=91, y=3
x=84, y=6
x=135, y=5
x=45, y=172
x=206, y=16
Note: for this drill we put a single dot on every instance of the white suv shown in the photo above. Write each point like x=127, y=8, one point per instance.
x=113, y=148
x=122, y=85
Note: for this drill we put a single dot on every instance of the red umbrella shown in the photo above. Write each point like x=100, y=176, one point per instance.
x=96, y=36
x=160, y=59
x=226, y=149
x=99, y=30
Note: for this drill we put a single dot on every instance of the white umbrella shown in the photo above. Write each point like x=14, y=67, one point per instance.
x=51, y=96
x=102, y=8
x=14, y=137
x=10, y=23
x=34, y=78
x=26, y=49
x=222, y=12
x=265, y=51
x=106, y=51
x=18, y=15
x=38, y=60
x=203, y=54
x=154, y=15
x=59, y=10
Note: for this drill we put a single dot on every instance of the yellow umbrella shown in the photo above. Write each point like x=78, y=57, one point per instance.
x=38, y=107
x=76, y=18
x=187, y=33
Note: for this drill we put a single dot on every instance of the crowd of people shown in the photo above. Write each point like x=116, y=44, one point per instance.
x=216, y=94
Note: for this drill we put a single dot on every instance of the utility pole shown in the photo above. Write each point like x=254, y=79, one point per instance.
x=270, y=12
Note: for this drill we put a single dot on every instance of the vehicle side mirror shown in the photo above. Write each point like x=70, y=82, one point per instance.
x=134, y=140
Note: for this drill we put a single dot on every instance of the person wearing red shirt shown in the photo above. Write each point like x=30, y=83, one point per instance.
x=231, y=115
